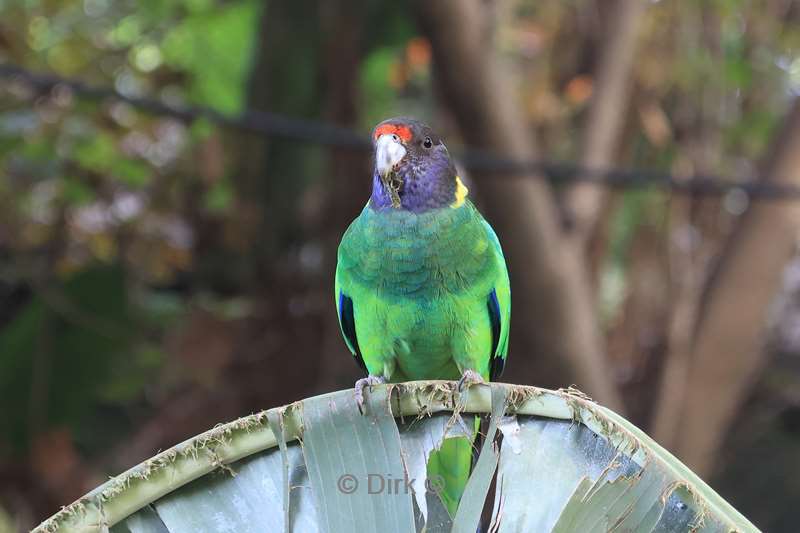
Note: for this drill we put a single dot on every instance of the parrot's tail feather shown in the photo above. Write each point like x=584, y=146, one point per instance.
x=449, y=467
x=480, y=436
x=448, y=470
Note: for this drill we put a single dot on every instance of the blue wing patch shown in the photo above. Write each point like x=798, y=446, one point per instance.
x=497, y=362
x=348, y=322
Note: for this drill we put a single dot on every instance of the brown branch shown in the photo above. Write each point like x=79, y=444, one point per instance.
x=727, y=351
x=687, y=271
x=553, y=313
x=607, y=108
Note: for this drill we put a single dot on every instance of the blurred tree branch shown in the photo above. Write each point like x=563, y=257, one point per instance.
x=556, y=339
x=688, y=270
x=727, y=348
x=695, y=239
x=273, y=172
x=607, y=110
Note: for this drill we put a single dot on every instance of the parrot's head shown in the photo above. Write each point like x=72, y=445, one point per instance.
x=413, y=170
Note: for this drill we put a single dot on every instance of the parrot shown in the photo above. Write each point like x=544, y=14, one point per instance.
x=421, y=287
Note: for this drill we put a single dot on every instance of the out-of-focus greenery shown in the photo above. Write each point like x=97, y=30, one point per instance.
x=107, y=164
x=84, y=323
x=97, y=197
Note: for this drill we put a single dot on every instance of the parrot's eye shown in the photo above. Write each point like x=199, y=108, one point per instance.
x=427, y=143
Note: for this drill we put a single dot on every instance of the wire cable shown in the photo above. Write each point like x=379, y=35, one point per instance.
x=269, y=124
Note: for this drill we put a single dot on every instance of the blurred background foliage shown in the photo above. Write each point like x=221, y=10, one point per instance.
x=160, y=275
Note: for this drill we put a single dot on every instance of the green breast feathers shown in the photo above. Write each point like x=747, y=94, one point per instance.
x=423, y=295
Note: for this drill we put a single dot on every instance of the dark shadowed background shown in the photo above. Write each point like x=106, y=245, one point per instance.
x=167, y=249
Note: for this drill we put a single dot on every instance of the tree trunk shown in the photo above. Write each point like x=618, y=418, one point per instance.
x=273, y=173
x=607, y=108
x=727, y=353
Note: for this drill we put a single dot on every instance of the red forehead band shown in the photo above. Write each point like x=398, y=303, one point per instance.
x=404, y=132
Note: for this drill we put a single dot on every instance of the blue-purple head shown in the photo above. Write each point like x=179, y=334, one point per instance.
x=413, y=170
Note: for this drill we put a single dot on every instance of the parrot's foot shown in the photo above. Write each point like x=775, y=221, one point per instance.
x=361, y=384
x=469, y=377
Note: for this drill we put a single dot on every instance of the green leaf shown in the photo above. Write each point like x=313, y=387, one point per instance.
x=215, y=47
x=61, y=349
x=201, y=129
x=472, y=502
x=362, y=491
x=219, y=197
x=97, y=153
x=246, y=499
x=127, y=31
x=564, y=464
x=145, y=521
x=378, y=95
x=135, y=174
x=76, y=192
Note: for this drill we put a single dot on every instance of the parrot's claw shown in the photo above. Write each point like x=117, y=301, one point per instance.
x=363, y=383
x=469, y=377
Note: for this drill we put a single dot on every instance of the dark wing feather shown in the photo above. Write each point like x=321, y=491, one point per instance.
x=497, y=362
x=348, y=323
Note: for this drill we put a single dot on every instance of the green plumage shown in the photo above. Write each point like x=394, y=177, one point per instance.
x=421, y=286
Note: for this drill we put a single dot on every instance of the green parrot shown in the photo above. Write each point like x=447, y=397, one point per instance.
x=422, y=289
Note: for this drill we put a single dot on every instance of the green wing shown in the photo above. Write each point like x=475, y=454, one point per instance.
x=345, y=313
x=499, y=306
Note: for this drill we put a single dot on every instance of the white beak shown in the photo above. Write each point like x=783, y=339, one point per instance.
x=388, y=153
